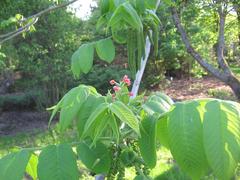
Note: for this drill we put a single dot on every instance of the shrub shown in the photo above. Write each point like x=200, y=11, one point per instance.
x=100, y=76
x=18, y=101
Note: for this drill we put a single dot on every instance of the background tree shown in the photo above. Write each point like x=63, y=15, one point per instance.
x=42, y=57
x=223, y=71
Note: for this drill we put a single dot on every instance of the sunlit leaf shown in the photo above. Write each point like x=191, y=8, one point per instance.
x=221, y=137
x=32, y=166
x=125, y=115
x=185, y=133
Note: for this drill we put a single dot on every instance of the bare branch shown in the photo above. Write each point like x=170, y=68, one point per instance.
x=34, y=18
x=211, y=69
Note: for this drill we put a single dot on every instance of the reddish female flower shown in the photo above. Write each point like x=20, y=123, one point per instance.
x=130, y=94
x=116, y=88
x=126, y=80
x=125, y=77
x=113, y=96
x=112, y=82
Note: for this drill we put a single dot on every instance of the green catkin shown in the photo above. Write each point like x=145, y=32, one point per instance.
x=131, y=51
x=139, y=50
x=121, y=172
x=115, y=163
x=155, y=39
x=155, y=35
x=146, y=170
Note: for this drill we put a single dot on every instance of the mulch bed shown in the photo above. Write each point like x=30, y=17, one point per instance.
x=193, y=88
x=14, y=122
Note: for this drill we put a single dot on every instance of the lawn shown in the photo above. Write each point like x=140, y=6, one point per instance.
x=236, y=70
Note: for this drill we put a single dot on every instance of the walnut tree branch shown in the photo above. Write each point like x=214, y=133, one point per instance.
x=34, y=18
x=221, y=41
x=19, y=31
x=210, y=68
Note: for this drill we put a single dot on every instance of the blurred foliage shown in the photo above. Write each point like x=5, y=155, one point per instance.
x=100, y=76
x=221, y=94
x=200, y=20
x=42, y=57
x=21, y=101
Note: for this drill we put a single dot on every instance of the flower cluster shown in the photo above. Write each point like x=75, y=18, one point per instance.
x=126, y=80
x=117, y=86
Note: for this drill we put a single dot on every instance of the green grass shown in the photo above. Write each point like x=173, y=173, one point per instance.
x=236, y=70
x=221, y=94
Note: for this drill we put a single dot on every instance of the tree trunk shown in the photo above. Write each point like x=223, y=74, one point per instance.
x=234, y=83
x=222, y=73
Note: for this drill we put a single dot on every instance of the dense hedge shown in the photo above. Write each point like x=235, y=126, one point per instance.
x=19, y=101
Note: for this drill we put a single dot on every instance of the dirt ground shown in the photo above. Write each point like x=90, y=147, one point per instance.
x=185, y=89
x=12, y=123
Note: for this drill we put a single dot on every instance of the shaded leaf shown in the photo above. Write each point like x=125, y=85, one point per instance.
x=71, y=104
x=96, y=158
x=89, y=106
x=82, y=59
x=162, y=131
x=147, y=141
x=57, y=163
x=95, y=118
x=106, y=50
x=12, y=166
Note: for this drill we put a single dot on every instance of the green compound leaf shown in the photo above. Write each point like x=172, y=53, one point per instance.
x=57, y=163
x=12, y=166
x=106, y=50
x=151, y=4
x=95, y=118
x=71, y=104
x=82, y=59
x=120, y=110
x=96, y=158
x=221, y=137
x=104, y=6
x=126, y=13
x=75, y=64
x=158, y=103
x=32, y=166
x=147, y=141
x=162, y=131
x=185, y=133
x=88, y=107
